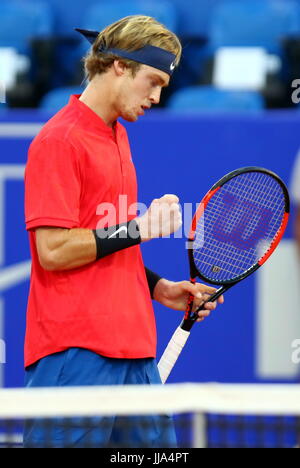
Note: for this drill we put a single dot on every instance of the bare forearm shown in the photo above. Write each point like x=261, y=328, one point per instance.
x=161, y=290
x=66, y=249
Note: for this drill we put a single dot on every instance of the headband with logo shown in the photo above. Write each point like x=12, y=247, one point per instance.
x=148, y=55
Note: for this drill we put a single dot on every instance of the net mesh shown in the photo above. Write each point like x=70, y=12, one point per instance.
x=239, y=225
x=204, y=415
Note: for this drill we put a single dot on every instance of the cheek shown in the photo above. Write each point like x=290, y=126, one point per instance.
x=141, y=89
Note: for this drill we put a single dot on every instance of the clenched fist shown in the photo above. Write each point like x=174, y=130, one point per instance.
x=161, y=219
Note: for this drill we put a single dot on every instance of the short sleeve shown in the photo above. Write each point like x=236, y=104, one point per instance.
x=52, y=184
x=295, y=181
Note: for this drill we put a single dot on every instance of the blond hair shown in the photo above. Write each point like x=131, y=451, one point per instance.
x=130, y=33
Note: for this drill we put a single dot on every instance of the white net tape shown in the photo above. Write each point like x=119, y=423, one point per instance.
x=140, y=399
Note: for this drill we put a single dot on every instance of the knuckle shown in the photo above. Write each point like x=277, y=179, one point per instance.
x=170, y=198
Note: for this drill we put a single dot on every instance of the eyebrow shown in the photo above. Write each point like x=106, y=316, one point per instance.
x=163, y=82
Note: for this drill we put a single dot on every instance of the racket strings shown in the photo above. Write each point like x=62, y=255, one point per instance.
x=239, y=226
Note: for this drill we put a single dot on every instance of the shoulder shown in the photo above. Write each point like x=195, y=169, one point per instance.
x=61, y=131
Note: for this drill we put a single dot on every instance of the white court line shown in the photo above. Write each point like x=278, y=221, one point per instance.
x=13, y=275
x=20, y=130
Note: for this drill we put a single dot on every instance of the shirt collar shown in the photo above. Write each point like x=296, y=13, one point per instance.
x=90, y=117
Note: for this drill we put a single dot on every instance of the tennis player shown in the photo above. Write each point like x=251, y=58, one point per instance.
x=90, y=318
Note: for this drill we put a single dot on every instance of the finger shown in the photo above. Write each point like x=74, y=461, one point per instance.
x=154, y=204
x=206, y=297
x=173, y=211
x=206, y=289
x=200, y=320
x=201, y=302
x=210, y=305
x=192, y=289
x=204, y=313
x=170, y=199
x=174, y=208
x=196, y=306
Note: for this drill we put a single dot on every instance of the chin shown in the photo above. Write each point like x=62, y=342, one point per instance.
x=130, y=117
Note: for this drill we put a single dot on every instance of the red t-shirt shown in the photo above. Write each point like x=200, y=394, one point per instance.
x=75, y=164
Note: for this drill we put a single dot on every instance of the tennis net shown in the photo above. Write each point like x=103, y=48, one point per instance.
x=205, y=415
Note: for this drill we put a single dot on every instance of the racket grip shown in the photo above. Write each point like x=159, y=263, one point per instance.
x=172, y=352
x=213, y=298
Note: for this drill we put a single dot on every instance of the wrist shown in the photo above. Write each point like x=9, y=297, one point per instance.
x=115, y=238
x=161, y=290
x=143, y=229
x=152, y=279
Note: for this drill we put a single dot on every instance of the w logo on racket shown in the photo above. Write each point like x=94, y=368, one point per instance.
x=242, y=223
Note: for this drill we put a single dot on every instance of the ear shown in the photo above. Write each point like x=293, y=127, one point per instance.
x=119, y=67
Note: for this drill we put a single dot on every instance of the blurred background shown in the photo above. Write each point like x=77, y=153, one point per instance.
x=229, y=45
x=234, y=101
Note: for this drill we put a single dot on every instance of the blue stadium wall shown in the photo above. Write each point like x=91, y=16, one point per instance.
x=177, y=154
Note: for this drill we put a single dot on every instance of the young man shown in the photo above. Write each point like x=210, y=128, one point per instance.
x=90, y=319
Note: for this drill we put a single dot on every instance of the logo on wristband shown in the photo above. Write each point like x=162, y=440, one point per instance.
x=119, y=231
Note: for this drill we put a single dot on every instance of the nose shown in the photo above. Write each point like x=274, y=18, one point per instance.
x=155, y=96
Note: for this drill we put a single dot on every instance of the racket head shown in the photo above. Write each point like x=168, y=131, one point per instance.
x=238, y=225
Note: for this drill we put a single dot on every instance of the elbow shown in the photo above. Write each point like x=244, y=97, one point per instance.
x=48, y=261
x=48, y=248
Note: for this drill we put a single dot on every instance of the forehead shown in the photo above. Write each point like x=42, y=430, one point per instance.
x=152, y=72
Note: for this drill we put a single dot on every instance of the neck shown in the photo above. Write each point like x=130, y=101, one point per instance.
x=99, y=97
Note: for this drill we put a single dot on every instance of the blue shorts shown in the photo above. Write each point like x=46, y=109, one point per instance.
x=80, y=367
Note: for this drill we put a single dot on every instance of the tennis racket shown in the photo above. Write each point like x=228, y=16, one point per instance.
x=236, y=228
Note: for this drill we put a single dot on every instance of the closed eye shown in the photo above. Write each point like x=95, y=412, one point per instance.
x=158, y=81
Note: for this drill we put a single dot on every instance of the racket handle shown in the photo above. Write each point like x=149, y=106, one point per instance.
x=214, y=297
x=188, y=322
x=172, y=352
